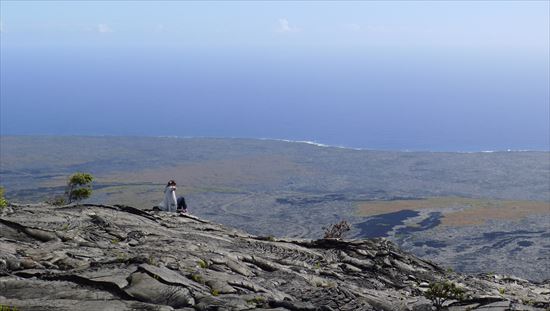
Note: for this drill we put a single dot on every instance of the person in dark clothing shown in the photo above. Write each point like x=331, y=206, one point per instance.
x=182, y=206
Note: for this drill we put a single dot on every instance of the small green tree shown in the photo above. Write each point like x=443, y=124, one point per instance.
x=3, y=201
x=79, y=187
x=439, y=292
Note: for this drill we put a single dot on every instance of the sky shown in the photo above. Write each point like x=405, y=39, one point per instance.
x=400, y=75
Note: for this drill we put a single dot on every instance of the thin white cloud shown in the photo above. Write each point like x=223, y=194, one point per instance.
x=1, y=26
x=284, y=26
x=103, y=28
x=378, y=28
x=352, y=27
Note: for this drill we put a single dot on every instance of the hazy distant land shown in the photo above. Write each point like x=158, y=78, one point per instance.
x=471, y=211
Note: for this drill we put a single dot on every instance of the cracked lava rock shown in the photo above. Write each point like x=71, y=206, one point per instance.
x=99, y=257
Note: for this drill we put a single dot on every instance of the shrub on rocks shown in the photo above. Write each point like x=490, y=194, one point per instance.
x=3, y=201
x=440, y=292
x=337, y=231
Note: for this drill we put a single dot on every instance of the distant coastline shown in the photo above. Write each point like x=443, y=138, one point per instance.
x=368, y=149
x=297, y=141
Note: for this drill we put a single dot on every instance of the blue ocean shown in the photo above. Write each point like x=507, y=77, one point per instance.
x=444, y=99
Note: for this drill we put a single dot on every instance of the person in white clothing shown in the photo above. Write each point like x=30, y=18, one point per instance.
x=170, y=203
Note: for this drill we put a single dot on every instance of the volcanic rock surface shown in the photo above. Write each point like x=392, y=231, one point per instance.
x=100, y=257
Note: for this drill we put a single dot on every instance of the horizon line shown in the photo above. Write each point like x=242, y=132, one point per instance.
x=307, y=142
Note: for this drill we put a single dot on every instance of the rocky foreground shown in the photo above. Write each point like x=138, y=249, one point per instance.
x=97, y=257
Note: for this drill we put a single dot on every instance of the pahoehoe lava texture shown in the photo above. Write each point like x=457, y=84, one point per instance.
x=101, y=257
